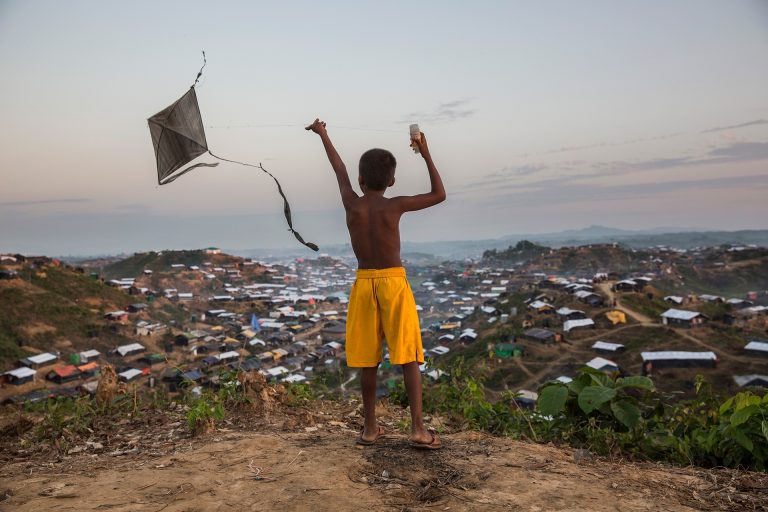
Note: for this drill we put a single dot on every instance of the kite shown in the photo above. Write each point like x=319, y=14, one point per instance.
x=179, y=137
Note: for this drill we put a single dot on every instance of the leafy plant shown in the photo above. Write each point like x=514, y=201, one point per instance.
x=203, y=413
x=298, y=393
x=609, y=414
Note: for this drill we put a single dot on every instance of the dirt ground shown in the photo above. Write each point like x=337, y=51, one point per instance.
x=319, y=468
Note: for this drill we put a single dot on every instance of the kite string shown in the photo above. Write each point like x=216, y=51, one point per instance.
x=242, y=163
x=357, y=128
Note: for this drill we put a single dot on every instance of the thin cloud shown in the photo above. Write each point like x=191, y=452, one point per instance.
x=740, y=152
x=445, y=112
x=44, y=201
x=756, y=122
x=560, y=192
x=567, y=149
x=503, y=175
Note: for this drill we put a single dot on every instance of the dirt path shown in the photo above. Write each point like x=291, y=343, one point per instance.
x=605, y=287
x=324, y=471
x=520, y=364
x=581, y=344
x=645, y=321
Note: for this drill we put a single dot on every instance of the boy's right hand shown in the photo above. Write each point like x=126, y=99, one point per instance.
x=317, y=126
x=421, y=144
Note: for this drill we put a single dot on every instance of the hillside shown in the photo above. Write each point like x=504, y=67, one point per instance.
x=54, y=307
x=731, y=274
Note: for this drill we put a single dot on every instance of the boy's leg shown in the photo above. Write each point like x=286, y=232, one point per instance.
x=368, y=382
x=412, y=377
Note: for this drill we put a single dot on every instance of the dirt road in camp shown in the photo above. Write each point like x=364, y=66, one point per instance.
x=639, y=317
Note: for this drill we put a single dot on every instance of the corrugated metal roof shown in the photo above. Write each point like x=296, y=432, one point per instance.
x=22, y=372
x=604, y=345
x=598, y=363
x=677, y=355
x=42, y=358
x=583, y=322
x=127, y=349
x=130, y=373
x=679, y=314
x=539, y=333
x=743, y=380
x=757, y=345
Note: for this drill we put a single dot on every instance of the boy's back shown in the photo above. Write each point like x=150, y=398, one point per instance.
x=374, y=229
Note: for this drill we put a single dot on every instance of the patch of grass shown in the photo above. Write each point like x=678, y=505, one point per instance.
x=640, y=302
x=69, y=303
x=730, y=282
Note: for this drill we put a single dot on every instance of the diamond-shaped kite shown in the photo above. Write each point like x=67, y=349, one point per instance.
x=179, y=137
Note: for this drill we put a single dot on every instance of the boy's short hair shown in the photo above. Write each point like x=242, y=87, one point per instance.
x=377, y=167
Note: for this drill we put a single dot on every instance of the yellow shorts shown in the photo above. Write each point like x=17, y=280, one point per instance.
x=381, y=305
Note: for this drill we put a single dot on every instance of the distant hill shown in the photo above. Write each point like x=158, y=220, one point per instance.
x=519, y=253
x=459, y=249
x=583, y=259
x=134, y=265
x=213, y=274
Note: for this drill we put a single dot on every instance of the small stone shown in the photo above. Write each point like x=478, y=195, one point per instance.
x=581, y=456
x=385, y=473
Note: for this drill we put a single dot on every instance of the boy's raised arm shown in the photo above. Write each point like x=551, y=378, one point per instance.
x=345, y=187
x=437, y=192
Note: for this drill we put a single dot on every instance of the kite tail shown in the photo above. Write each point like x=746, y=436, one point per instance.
x=200, y=73
x=286, y=206
x=185, y=171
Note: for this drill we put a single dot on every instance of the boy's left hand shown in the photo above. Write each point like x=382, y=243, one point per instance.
x=317, y=126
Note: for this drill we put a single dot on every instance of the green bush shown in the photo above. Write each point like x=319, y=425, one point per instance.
x=612, y=415
x=204, y=411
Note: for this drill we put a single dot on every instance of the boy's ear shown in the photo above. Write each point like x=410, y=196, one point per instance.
x=360, y=180
x=392, y=182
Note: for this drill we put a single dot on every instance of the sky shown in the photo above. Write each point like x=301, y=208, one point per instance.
x=541, y=116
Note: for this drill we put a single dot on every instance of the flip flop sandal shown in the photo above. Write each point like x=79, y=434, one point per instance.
x=434, y=444
x=365, y=442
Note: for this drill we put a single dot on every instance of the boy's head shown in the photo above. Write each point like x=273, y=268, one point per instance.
x=377, y=169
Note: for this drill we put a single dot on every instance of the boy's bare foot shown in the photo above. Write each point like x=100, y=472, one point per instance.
x=425, y=440
x=367, y=439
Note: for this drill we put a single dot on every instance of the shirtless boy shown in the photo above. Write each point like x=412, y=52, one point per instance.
x=381, y=304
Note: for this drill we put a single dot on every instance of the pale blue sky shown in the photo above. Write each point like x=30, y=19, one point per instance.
x=541, y=116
